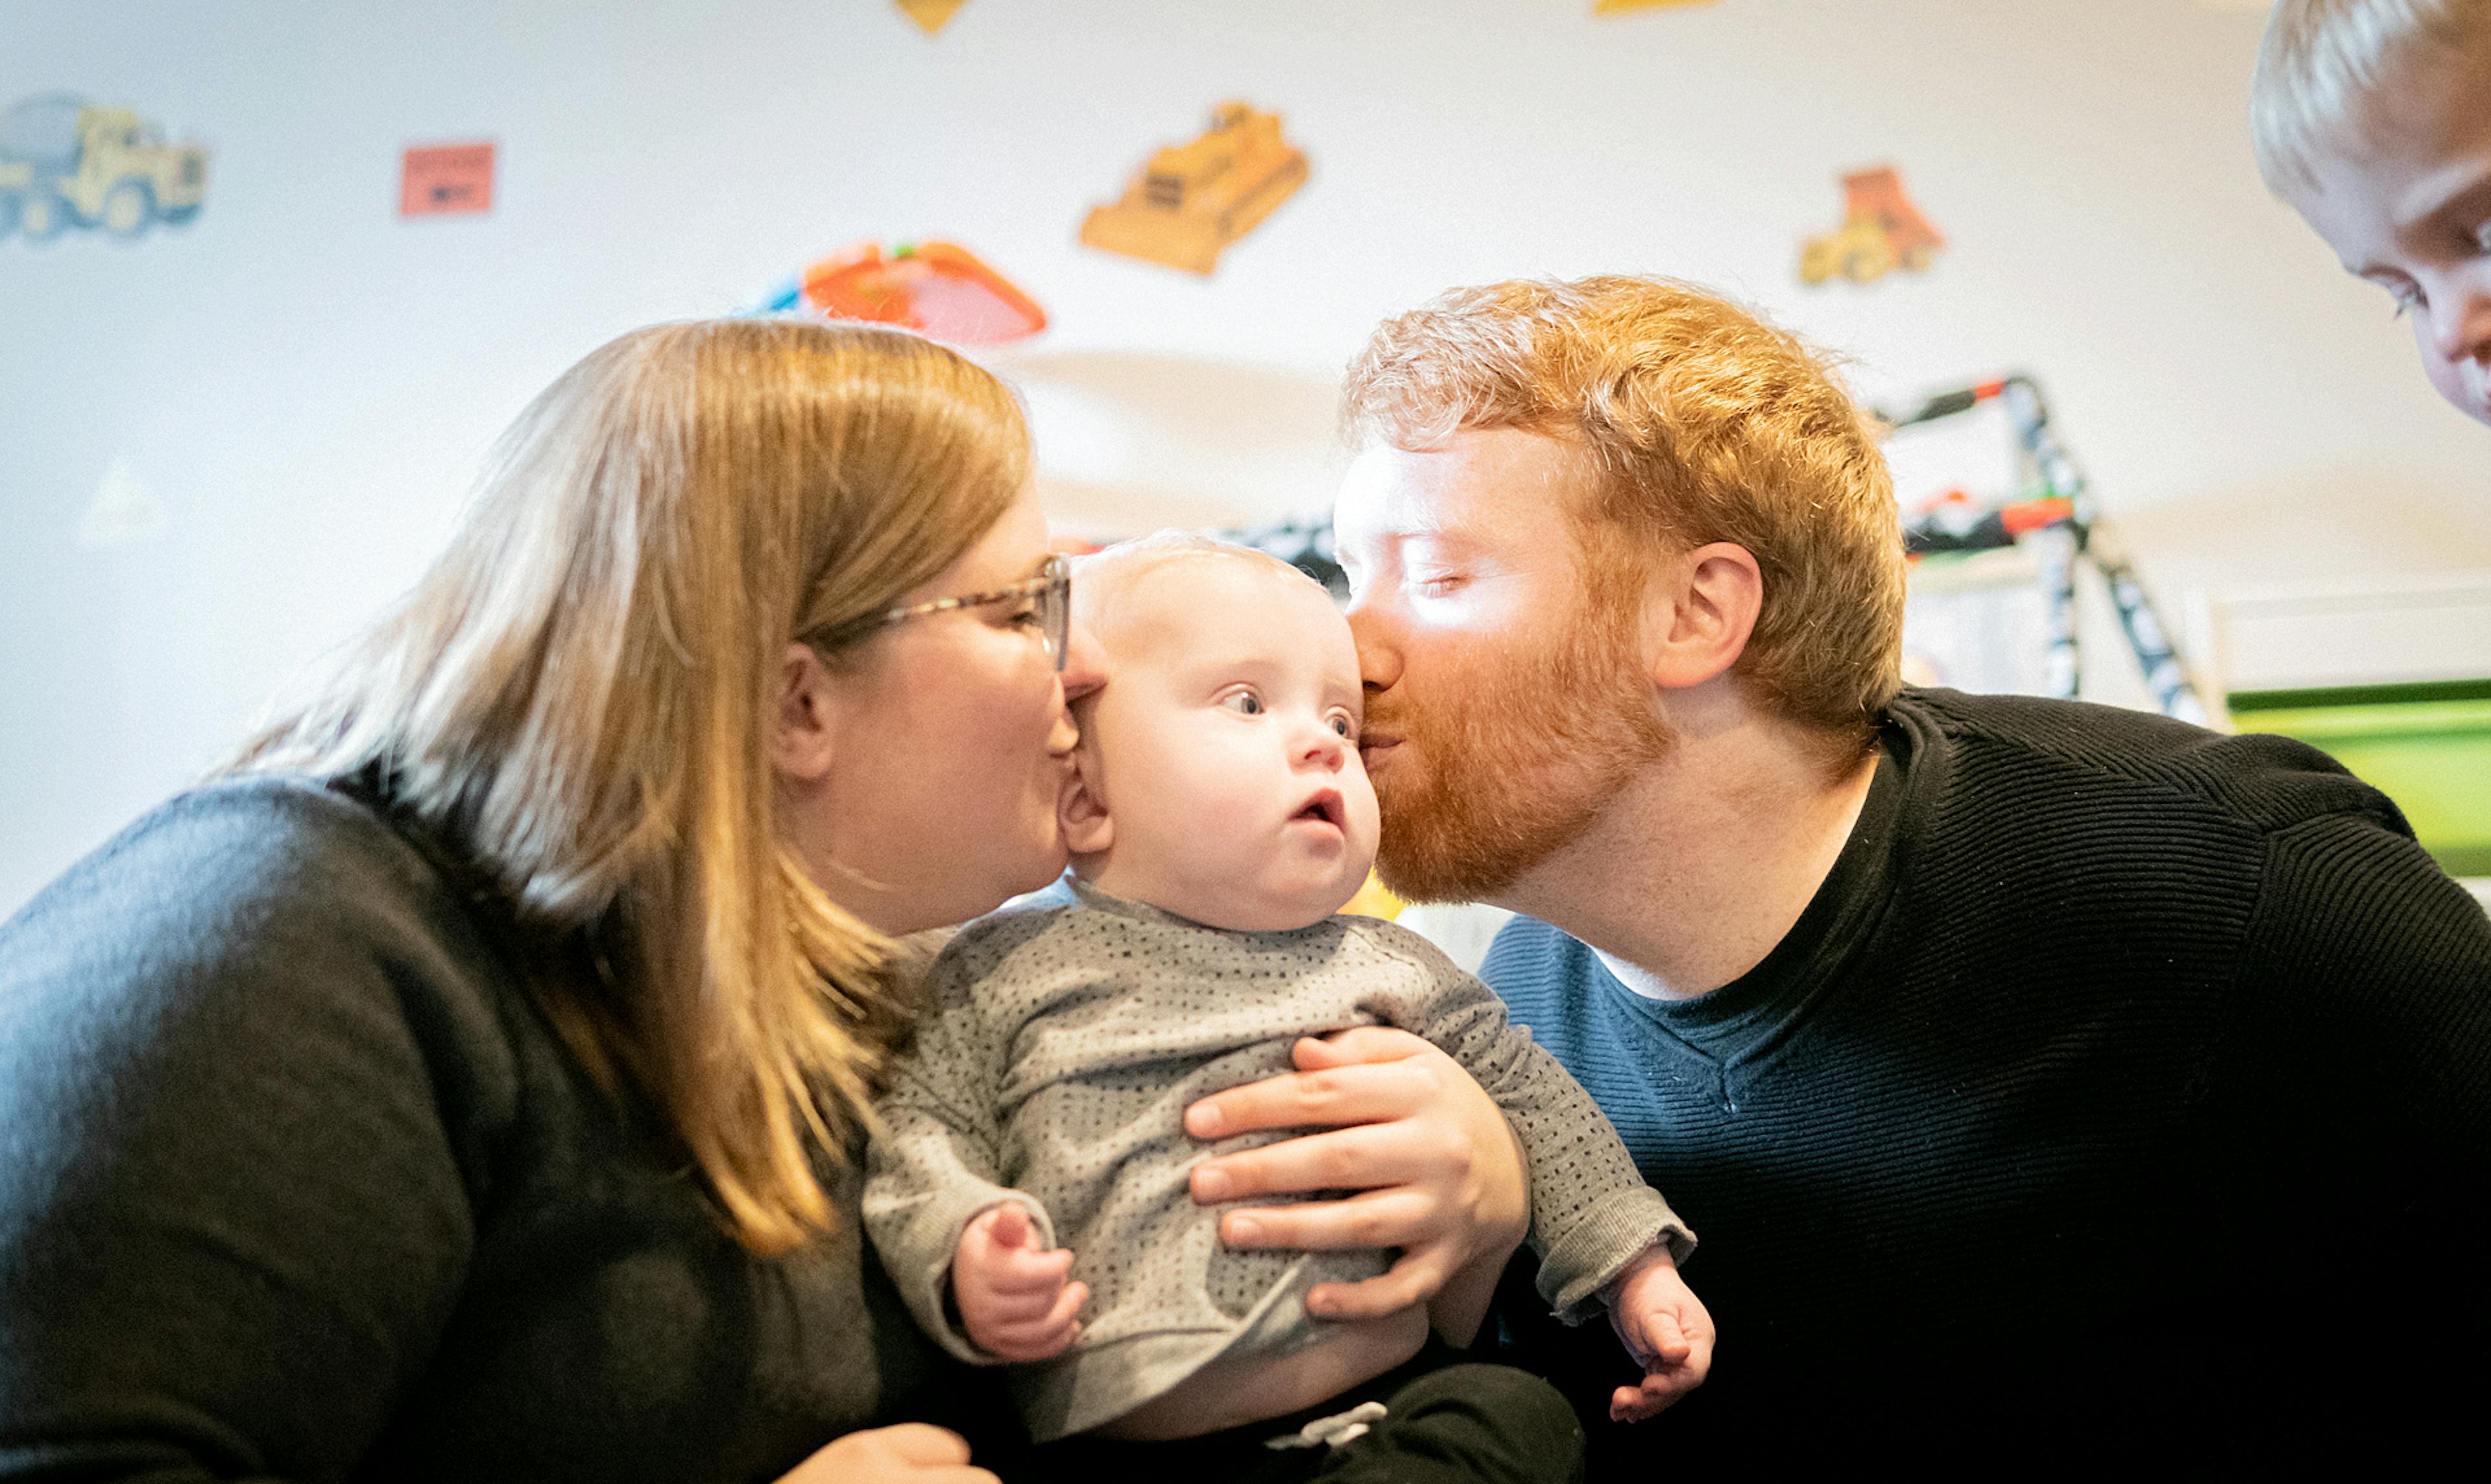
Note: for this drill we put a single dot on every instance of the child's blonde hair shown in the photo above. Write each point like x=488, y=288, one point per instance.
x=2325, y=64
x=1106, y=574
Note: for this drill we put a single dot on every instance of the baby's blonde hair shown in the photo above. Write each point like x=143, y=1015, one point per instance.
x=1099, y=578
x=2325, y=64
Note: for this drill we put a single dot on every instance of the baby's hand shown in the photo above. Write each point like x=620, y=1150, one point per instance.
x=1013, y=1298
x=1666, y=1329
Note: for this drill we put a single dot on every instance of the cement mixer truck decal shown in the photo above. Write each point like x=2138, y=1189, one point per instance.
x=66, y=162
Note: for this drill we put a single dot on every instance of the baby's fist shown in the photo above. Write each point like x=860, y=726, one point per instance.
x=1013, y=1298
x=1667, y=1330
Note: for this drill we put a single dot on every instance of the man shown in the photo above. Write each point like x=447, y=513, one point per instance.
x=2025, y=1068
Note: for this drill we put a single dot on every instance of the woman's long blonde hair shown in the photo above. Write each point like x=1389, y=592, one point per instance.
x=582, y=693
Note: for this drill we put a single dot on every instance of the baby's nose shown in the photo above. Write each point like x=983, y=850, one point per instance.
x=2464, y=333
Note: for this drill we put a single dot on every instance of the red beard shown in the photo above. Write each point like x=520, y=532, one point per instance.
x=1506, y=756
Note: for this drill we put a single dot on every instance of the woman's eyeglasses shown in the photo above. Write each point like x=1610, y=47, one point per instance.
x=1049, y=592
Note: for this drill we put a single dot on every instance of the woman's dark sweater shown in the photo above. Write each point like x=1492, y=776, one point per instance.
x=296, y=1182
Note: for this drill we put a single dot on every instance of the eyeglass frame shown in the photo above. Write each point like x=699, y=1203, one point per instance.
x=1051, y=586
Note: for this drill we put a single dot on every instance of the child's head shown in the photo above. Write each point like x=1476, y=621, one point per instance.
x=2373, y=119
x=1219, y=770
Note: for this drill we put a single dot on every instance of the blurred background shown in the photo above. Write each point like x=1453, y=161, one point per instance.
x=227, y=440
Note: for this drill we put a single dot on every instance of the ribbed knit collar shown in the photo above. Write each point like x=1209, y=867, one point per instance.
x=1744, y=1016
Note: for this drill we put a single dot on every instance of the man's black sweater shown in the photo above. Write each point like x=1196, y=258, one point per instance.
x=2122, y=1078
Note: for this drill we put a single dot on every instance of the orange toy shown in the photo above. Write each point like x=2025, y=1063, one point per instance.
x=1880, y=229
x=1193, y=199
x=937, y=287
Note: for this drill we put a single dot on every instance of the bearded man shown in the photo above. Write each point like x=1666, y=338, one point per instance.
x=2029, y=1071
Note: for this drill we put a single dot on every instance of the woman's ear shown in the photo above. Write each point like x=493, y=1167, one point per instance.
x=1080, y=810
x=802, y=745
x=1699, y=613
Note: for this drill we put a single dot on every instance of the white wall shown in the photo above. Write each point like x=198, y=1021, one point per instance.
x=305, y=382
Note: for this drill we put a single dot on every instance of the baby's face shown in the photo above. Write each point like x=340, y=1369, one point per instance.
x=1225, y=747
x=2412, y=215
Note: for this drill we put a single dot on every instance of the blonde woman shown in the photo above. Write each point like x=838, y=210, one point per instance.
x=467, y=1084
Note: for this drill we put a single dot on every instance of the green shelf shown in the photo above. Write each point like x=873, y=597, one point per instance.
x=2426, y=746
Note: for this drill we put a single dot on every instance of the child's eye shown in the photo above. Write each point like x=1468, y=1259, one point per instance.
x=1343, y=725
x=2407, y=295
x=1244, y=703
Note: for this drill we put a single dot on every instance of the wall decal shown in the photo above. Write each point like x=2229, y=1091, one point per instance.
x=1881, y=230
x=1193, y=199
x=446, y=180
x=938, y=288
x=123, y=511
x=66, y=162
x=930, y=16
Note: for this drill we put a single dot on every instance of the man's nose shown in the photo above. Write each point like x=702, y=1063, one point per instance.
x=1379, y=653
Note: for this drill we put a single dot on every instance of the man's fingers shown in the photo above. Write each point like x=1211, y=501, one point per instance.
x=1360, y=1157
x=1393, y=1217
x=1411, y=1280
x=1357, y=1044
x=1363, y=1092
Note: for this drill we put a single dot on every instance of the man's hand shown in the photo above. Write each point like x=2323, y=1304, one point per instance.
x=1437, y=1171
x=1013, y=1298
x=1665, y=1327
x=911, y=1453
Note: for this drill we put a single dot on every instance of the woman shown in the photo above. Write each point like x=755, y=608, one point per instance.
x=466, y=1085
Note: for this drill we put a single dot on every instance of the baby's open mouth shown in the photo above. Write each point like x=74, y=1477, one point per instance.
x=1328, y=807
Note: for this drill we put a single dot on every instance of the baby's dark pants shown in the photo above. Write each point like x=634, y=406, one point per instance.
x=1448, y=1421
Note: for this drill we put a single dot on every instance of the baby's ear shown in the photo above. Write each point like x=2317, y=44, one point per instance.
x=1080, y=813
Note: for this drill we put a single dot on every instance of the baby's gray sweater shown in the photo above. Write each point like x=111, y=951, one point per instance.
x=1064, y=1041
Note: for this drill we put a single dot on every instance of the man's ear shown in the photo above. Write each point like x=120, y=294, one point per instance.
x=1081, y=810
x=807, y=718
x=1699, y=613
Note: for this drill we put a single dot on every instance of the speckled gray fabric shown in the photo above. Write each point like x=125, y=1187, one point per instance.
x=1064, y=1041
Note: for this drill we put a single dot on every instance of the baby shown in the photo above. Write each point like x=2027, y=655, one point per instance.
x=2373, y=119
x=1029, y=1194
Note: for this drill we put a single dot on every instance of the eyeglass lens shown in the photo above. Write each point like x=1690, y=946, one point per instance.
x=1057, y=620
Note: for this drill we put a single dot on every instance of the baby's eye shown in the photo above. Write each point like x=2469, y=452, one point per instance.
x=1244, y=703
x=2407, y=295
x=2482, y=238
x=1343, y=725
